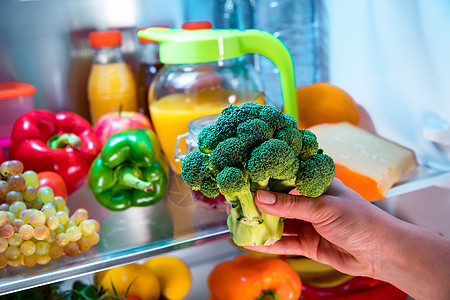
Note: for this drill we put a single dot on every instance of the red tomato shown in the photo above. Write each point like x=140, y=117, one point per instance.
x=55, y=181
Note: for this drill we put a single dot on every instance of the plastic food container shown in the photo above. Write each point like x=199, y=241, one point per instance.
x=16, y=98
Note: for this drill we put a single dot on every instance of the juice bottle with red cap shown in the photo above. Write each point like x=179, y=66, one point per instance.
x=111, y=83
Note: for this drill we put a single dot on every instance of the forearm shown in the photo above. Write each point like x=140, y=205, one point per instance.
x=417, y=261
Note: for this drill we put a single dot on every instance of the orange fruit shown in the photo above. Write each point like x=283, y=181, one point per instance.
x=323, y=102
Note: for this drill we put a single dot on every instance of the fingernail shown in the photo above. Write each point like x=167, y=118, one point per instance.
x=266, y=197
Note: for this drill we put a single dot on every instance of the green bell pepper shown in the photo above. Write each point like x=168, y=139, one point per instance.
x=130, y=171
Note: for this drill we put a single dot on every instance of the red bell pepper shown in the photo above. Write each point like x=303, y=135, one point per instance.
x=55, y=181
x=63, y=143
x=353, y=285
x=367, y=290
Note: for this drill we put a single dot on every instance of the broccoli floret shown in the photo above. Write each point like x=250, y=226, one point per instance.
x=228, y=153
x=194, y=169
x=254, y=132
x=315, y=175
x=247, y=111
x=226, y=126
x=229, y=110
x=208, y=138
x=230, y=118
x=290, y=121
x=276, y=118
x=272, y=159
x=251, y=108
x=309, y=144
x=209, y=188
x=232, y=182
x=197, y=174
x=292, y=136
x=252, y=147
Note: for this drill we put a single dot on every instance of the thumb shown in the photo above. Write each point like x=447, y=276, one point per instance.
x=292, y=206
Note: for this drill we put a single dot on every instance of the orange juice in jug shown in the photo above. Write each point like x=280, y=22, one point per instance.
x=172, y=113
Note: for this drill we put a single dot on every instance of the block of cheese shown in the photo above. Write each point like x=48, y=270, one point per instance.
x=365, y=162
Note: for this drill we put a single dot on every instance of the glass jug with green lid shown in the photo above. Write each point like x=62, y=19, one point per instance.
x=205, y=72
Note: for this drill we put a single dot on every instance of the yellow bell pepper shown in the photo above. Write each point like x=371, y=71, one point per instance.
x=173, y=275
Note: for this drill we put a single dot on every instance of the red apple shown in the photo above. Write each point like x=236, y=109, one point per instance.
x=111, y=123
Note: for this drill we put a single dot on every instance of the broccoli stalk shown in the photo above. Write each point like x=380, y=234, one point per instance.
x=251, y=226
x=234, y=185
x=266, y=232
x=248, y=224
x=249, y=212
x=252, y=147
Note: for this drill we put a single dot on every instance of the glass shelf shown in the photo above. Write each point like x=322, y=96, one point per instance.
x=138, y=233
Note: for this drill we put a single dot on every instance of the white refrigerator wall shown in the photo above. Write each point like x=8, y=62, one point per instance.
x=393, y=57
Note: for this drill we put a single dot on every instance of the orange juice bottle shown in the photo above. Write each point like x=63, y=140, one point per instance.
x=111, y=83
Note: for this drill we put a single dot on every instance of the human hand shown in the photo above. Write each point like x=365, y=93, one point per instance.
x=343, y=230
x=339, y=228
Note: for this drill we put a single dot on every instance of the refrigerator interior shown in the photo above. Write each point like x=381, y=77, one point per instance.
x=391, y=56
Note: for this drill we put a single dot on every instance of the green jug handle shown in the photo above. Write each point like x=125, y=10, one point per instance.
x=200, y=46
x=264, y=43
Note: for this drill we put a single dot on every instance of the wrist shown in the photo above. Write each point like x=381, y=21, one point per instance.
x=415, y=260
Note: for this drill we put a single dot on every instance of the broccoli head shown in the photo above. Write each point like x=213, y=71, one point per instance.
x=252, y=147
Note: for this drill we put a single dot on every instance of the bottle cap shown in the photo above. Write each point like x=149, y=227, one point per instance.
x=144, y=40
x=103, y=39
x=197, y=25
x=15, y=89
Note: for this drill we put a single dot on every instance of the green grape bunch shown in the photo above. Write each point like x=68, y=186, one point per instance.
x=35, y=225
